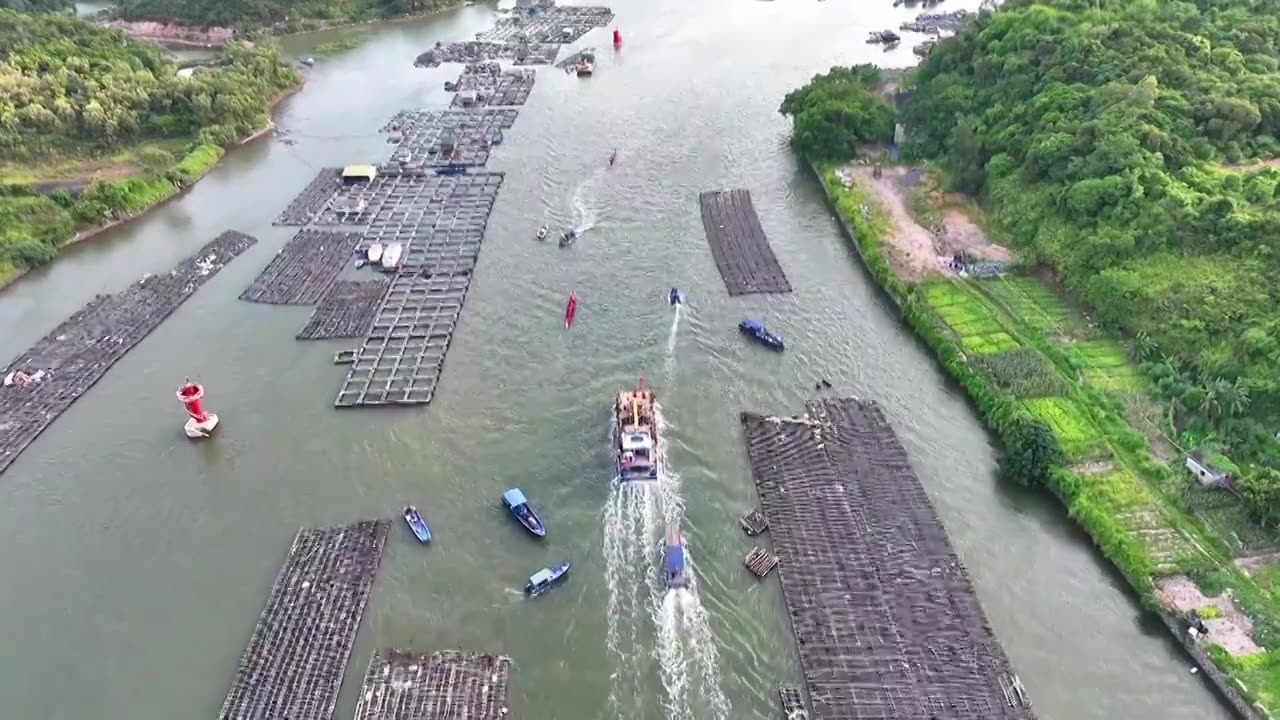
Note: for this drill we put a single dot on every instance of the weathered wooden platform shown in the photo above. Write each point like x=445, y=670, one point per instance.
x=549, y=26
x=885, y=617
x=80, y=350
x=346, y=311
x=753, y=523
x=738, y=244
x=304, y=269
x=312, y=198
x=422, y=137
x=792, y=703
x=482, y=51
x=295, y=661
x=401, y=359
x=488, y=85
x=401, y=685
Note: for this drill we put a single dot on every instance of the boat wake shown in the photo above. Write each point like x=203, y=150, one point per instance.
x=631, y=522
x=585, y=214
x=671, y=339
x=687, y=656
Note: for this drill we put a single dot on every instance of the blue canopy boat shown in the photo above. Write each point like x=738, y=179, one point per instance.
x=518, y=506
x=545, y=578
x=417, y=524
x=756, y=330
x=673, y=559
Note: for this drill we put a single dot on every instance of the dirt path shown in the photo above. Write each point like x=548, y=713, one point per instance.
x=910, y=247
x=1230, y=630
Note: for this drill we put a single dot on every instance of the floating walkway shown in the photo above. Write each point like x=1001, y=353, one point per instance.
x=738, y=244
x=885, y=617
x=304, y=269
x=346, y=311
x=298, y=654
x=400, y=685
x=434, y=138
x=402, y=356
x=78, y=352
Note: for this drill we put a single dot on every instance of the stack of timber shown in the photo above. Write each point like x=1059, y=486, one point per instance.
x=760, y=562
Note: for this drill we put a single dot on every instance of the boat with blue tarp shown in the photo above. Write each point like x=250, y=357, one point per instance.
x=417, y=524
x=518, y=505
x=673, y=560
x=756, y=329
x=545, y=579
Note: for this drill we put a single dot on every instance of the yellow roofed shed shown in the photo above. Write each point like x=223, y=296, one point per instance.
x=359, y=173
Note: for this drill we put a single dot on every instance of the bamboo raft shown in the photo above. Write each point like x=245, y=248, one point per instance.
x=295, y=661
x=792, y=703
x=760, y=562
x=81, y=349
x=753, y=523
x=886, y=621
x=401, y=685
x=346, y=311
x=738, y=244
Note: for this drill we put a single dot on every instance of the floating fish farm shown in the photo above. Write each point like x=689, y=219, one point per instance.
x=64, y=364
x=431, y=200
x=738, y=244
x=402, y=685
x=884, y=614
x=297, y=656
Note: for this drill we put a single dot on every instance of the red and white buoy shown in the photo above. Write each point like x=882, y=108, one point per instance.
x=200, y=424
x=617, y=38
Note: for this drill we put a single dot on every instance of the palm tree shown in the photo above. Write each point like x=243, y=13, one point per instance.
x=1143, y=346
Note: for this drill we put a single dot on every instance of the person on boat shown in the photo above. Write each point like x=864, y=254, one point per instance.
x=613, y=158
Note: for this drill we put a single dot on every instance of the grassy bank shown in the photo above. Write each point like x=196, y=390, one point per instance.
x=1029, y=362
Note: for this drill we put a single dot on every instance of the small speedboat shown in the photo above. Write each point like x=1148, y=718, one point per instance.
x=568, y=237
x=676, y=297
x=542, y=232
x=673, y=559
x=756, y=330
x=375, y=252
x=417, y=524
x=544, y=579
x=518, y=505
x=585, y=68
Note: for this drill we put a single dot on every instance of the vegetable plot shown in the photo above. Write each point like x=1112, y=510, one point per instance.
x=1076, y=433
x=1023, y=372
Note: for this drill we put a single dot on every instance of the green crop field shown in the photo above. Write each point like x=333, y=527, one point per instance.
x=1075, y=431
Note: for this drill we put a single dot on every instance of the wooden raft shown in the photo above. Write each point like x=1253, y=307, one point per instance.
x=753, y=523
x=885, y=617
x=760, y=562
x=401, y=685
x=738, y=244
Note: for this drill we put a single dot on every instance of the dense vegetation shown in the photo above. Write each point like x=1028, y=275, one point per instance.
x=838, y=112
x=254, y=13
x=1099, y=131
x=73, y=92
x=39, y=6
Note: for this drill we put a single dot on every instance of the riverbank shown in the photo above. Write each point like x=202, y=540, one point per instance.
x=193, y=166
x=1025, y=357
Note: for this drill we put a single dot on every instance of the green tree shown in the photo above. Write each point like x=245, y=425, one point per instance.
x=1031, y=452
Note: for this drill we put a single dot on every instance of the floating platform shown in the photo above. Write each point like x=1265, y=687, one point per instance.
x=401, y=685
x=429, y=139
x=80, y=350
x=304, y=269
x=792, y=703
x=313, y=198
x=346, y=311
x=402, y=357
x=488, y=85
x=295, y=661
x=482, y=51
x=738, y=244
x=561, y=24
x=885, y=617
x=760, y=562
x=753, y=523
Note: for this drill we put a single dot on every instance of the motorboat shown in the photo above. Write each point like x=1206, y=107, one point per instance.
x=375, y=252
x=568, y=237
x=676, y=297
x=673, y=559
x=391, y=256
x=545, y=579
x=417, y=524
x=571, y=309
x=542, y=232
x=635, y=441
x=757, y=330
x=585, y=68
x=518, y=505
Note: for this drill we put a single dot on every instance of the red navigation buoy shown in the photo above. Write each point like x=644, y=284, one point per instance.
x=570, y=310
x=617, y=38
x=200, y=424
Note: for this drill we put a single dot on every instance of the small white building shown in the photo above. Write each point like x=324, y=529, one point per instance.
x=1207, y=471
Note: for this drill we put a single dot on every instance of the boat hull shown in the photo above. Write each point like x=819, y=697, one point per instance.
x=558, y=574
x=524, y=515
x=416, y=524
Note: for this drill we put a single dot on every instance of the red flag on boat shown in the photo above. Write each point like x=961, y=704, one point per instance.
x=570, y=310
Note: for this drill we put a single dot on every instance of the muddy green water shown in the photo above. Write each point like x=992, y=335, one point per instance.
x=136, y=563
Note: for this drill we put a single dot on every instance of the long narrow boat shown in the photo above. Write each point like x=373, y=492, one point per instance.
x=635, y=442
x=545, y=579
x=756, y=329
x=673, y=559
x=417, y=524
x=518, y=505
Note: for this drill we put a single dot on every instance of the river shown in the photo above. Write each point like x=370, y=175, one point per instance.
x=136, y=563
